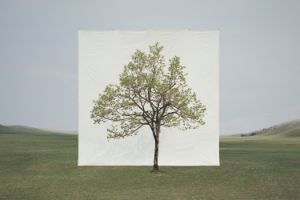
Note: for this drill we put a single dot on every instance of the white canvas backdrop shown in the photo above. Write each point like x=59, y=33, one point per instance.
x=102, y=56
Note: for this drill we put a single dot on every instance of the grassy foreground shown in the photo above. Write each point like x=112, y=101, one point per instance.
x=44, y=166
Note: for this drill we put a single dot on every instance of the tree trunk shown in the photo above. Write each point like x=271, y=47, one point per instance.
x=156, y=139
x=155, y=162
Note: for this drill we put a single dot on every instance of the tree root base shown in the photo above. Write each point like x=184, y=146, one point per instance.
x=156, y=172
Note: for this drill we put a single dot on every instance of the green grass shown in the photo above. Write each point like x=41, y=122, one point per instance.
x=44, y=166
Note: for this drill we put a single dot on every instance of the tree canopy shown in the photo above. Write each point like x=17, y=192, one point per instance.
x=151, y=92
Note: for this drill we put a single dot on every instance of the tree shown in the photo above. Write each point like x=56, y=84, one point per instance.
x=150, y=93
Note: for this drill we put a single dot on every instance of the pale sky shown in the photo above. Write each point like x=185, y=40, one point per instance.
x=259, y=55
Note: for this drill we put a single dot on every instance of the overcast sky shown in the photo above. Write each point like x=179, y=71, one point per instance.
x=259, y=55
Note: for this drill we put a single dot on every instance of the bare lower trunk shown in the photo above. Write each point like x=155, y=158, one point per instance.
x=156, y=148
x=155, y=161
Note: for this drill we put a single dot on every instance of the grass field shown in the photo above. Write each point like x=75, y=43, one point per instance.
x=44, y=166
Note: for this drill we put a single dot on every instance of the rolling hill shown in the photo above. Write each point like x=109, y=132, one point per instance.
x=16, y=129
x=287, y=129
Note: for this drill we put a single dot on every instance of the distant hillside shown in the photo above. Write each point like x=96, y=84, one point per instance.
x=288, y=129
x=29, y=130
